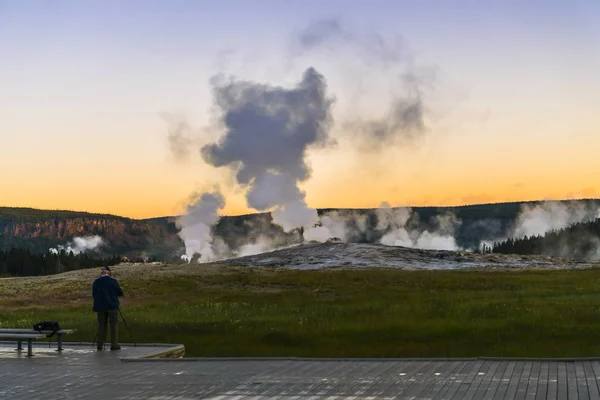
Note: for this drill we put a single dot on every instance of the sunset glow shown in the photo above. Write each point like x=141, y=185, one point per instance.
x=84, y=87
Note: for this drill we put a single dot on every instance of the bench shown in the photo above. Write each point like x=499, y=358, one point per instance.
x=19, y=337
x=30, y=334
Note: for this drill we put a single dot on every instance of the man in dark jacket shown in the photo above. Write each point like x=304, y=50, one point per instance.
x=106, y=292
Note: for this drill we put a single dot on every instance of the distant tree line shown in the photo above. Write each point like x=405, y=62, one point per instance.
x=579, y=241
x=22, y=262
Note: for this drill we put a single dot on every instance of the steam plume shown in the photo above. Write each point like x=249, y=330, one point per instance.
x=268, y=130
x=79, y=245
x=395, y=222
x=331, y=33
x=196, y=226
x=393, y=227
x=335, y=225
x=539, y=219
x=261, y=245
x=404, y=121
x=179, y=137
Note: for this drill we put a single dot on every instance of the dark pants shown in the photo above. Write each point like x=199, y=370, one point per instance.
x=103, y=319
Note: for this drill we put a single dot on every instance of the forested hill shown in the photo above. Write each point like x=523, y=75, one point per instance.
x=579, y=241
x=19, y=262
x=38, y=230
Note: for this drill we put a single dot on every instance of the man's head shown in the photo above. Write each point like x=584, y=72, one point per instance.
x=105, y=271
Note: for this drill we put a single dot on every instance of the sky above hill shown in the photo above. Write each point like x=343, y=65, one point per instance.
x=91, y=90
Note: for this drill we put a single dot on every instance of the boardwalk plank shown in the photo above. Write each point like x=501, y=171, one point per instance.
x=467, y=380
x=523, y=381
x=571, y=381
x=513, y=385
x=542, y=386
x=591, y=380
x=382, y=380
x=495, y=381
x=440, y=376
x=454, y=383
x=445, y=391
x=563, y=381
x=504, y=384
x=403, y=378
x=477, y=379
x=365, y=380
x=552, y=386
x=423, y=379
x=582, y=387
x=534, y=378
x=486, y=381
x=595, y=365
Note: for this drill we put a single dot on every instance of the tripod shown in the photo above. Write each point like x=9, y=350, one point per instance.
x=127, y=327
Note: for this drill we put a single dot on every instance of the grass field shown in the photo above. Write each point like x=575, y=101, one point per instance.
x=227, y=311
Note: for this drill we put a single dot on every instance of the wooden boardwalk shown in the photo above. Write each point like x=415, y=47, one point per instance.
x=81, y=372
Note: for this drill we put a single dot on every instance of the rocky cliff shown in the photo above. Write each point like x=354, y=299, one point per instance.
x=38, y=230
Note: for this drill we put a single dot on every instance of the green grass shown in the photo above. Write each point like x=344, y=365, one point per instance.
x=360, y=313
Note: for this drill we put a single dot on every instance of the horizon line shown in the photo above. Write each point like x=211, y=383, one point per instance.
x=317, y=208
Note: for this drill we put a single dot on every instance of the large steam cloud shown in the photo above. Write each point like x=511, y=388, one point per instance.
x=268, y=130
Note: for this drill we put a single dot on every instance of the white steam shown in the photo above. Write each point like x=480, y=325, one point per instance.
x=394, y=221
x=268, y=130
x=393, y=226
x=335, y=225
x=262, y=245
x=79, y=245
x=196, y=226
x=403, y=121
x=539, y=219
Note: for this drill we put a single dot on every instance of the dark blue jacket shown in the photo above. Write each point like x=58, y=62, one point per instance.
x=106, y=292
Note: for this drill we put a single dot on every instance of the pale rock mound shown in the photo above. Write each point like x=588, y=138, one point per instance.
x=363, y=255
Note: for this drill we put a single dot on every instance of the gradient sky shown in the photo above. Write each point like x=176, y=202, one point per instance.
x=84, y=85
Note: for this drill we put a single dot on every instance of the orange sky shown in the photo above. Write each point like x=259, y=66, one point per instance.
x=464, y=164
x=454, y=175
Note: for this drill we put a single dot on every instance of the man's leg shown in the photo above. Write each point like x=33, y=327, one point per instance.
x=114, y=338
x=102, y=325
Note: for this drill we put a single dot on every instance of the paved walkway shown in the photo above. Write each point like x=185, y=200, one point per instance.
x=81, y=372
